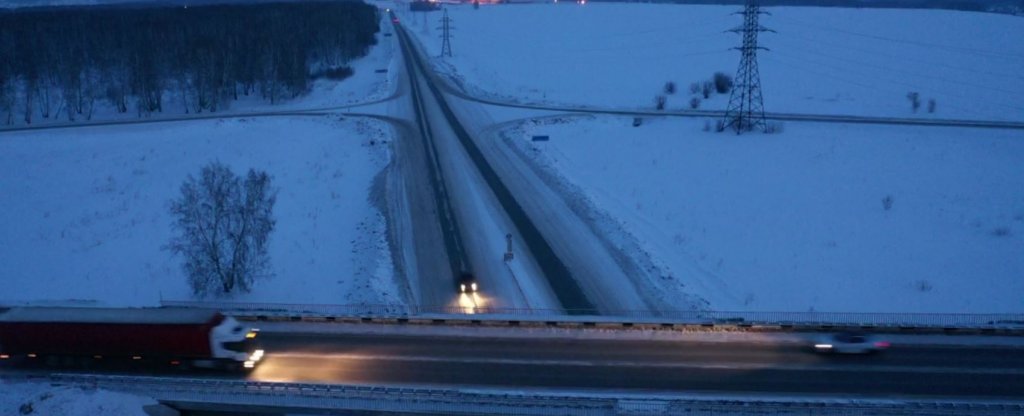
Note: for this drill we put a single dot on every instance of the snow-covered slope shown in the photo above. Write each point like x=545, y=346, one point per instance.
x=21, y=399
x=821, y=60
x=85, y=213
x=825, y=217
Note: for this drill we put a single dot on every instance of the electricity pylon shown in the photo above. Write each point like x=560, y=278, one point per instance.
x=746, y=105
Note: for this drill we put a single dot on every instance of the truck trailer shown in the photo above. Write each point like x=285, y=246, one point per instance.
x=178, y=336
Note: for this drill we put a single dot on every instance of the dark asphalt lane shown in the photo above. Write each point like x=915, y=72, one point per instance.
x=633, y=366
x=558, y=276
x=643, y=366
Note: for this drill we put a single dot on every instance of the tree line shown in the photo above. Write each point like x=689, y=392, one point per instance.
x=62, y=62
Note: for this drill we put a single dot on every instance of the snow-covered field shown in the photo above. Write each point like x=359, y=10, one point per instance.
x=85, y=214
x=821, y=60
x=825, y=217
x=799, y=221
x=20, y=399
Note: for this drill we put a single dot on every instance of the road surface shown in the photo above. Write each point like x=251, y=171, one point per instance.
x=662, y=366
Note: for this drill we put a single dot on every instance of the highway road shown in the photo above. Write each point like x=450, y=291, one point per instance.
x=476, y=209
x=735, y=368
x=661, y=366
x=564, y=262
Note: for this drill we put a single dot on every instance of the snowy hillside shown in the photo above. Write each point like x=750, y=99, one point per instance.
x=821, y=60
x=86, y=218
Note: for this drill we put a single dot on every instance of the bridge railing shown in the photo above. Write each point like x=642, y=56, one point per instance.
x=693, y=317
x=238, y=394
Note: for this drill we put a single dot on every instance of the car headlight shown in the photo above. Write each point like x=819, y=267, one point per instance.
x=473, y=286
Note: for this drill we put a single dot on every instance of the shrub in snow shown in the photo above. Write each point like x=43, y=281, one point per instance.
x=670, y=88
x=694, y=102
x=705, y=89
x=223, y=223
x=338, y=74
x=723, y=82
x=773, y=128
x=887, y=202
x=923, y=286
x=694, y=88
x=659, y=102
x=1001, y=231
x=931, y=105
x=915, y=100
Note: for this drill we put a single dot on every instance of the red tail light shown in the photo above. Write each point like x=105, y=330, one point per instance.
x=881, y=344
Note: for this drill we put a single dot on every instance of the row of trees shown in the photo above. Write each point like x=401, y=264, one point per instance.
x=58, y=62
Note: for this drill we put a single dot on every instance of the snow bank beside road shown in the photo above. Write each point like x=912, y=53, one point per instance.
x=43, y=399
x=85, y=212
x=822, y=60
x=800, y=221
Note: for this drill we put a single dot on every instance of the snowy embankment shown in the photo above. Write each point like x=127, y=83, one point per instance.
x=821, y=60
x=20, y=399
x=826, y=217
x=85, y=218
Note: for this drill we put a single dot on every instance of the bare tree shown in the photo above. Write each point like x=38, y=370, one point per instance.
x=670, y=88
x=705, y=89
x=915, y=100
x=224, y=225
x=659, y=102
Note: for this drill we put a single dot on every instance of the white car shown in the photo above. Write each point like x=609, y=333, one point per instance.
x=850, y=343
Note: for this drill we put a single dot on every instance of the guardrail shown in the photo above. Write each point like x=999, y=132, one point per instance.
x=189, y=393
x=983, y=323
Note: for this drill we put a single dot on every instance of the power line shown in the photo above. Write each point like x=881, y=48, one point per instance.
x=869, y=85
x=972, y=51
x=834, y=45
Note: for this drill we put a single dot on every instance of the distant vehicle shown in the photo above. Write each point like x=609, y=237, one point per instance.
x=467, y=283
x=850, y=343
x=175, y=336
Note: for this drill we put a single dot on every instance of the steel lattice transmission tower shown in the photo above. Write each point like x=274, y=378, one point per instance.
x=446, y=35
x=746, y=105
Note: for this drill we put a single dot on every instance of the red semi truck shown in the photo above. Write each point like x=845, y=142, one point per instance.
x=190, y=337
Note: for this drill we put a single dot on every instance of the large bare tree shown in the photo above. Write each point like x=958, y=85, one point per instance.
x=223, y=225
